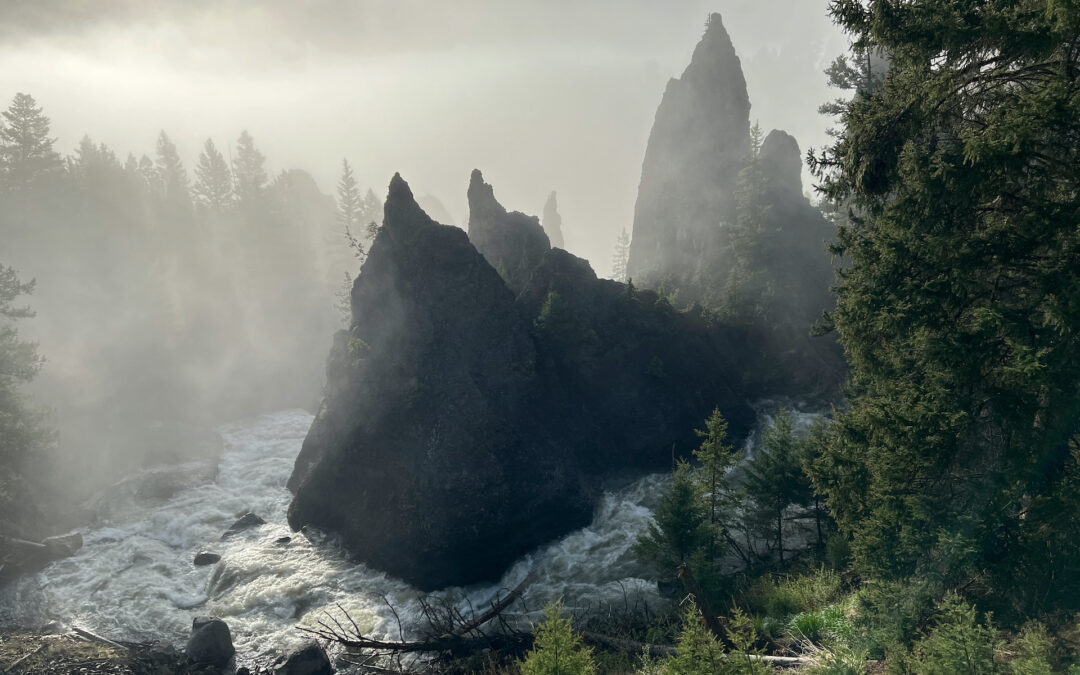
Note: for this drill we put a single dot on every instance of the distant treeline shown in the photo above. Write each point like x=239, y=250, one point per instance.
x=167, y=301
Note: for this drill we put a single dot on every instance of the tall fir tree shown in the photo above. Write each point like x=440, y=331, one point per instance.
x=249, y=171
x=958, y=312
x=621, y=256
x=172, y=178
x=775, y=478
x=26, y=150
x=350, y=205
x=213, y=182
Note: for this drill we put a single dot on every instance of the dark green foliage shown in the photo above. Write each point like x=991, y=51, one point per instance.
x=680, y=529
x=958, y=311
x=775, y=479
x=557, y=649
x=716, y=456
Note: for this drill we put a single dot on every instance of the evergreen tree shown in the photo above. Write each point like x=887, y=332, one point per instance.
x=350, y=205
x=679, y=531
x=717, y=457
x=249, y=171
x=213, y=183
x=958, y=312
x=172, y=179
x=26, y=150
x=745, y=291
x=621, y=257
x=22, y=430
x=775, y=479
x=372, y=214
x=557, y=649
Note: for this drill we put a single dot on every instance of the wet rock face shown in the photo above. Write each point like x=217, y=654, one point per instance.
x=210, y=643
x=512, y=242
x=698, y=142
x=463, y=426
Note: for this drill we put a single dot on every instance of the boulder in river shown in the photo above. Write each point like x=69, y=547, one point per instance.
x=311, y=659
x=210, y=642
x=244, y=522
x=203, y=558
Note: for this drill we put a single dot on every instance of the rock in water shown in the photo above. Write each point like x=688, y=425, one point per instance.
x=512, y=242
x=244, y=522
x=203, y=558
x=463, y=427
x=64, y=545
x=210, y=642
x=697, y=146
x=311, y=659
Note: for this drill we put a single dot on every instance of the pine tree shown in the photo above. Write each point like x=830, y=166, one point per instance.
x=213, y=182
x=775, y=479
x=716, y=456
x=26, y=150
x=350, y=205
x=172, y=179
x=372, y=214
x=745, y=291
x=621, y=257
x=249, y=171
x=557, y=648
x=679, y=532
x=22, y=430
x=958, y=309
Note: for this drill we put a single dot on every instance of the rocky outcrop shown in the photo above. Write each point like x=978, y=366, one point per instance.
x=311, y=659
x=464, y=424
x=696, y=231
x=512, y=242
x=20, y=556
x=698, y=142
x=552, y=221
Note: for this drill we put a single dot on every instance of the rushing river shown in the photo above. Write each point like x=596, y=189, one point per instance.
x=134, y=578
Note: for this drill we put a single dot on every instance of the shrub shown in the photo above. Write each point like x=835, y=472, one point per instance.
x=557, y=649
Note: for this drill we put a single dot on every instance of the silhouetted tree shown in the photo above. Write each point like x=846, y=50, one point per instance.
x=213, y=182
x=621, y=256
x=249, y=171
x=172, y=177
x=26, y=150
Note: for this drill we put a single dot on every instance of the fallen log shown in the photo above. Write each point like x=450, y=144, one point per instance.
x=496, y=607
x=654, y=650
x=15, y=664
x=90, y=637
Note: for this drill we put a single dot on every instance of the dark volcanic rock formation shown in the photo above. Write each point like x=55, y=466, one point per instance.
x=463, y=426
x=512, y=242
x=696, y=148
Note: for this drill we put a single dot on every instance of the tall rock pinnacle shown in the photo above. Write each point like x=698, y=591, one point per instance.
x=698, y=142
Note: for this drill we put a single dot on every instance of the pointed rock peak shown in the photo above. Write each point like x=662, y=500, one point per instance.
x=781, y=160
x=715, y=57
x=482, y=202
x=401, y=210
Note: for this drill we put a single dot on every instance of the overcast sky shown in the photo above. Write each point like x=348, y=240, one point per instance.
x=540, y=95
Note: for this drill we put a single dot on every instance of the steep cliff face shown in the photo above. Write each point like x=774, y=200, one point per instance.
x=463, y=426
x=512, y=242
x=696, y=148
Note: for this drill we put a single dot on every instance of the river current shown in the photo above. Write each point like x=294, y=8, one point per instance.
x=134, y=578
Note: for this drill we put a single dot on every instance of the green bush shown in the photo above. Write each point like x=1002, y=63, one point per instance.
x=957, y=644
x=557, y=649
x=781, y=597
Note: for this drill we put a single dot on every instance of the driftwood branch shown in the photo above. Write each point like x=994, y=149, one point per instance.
x=17, y=662
x=87, y=635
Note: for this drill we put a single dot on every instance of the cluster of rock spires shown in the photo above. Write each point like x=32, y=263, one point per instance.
x=470, y=416
x=688, y=199
x=489, y=384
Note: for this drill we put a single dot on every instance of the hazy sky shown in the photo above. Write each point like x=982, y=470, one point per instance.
x=538, y=94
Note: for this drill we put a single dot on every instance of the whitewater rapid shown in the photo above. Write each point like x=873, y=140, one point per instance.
x=134, y=578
